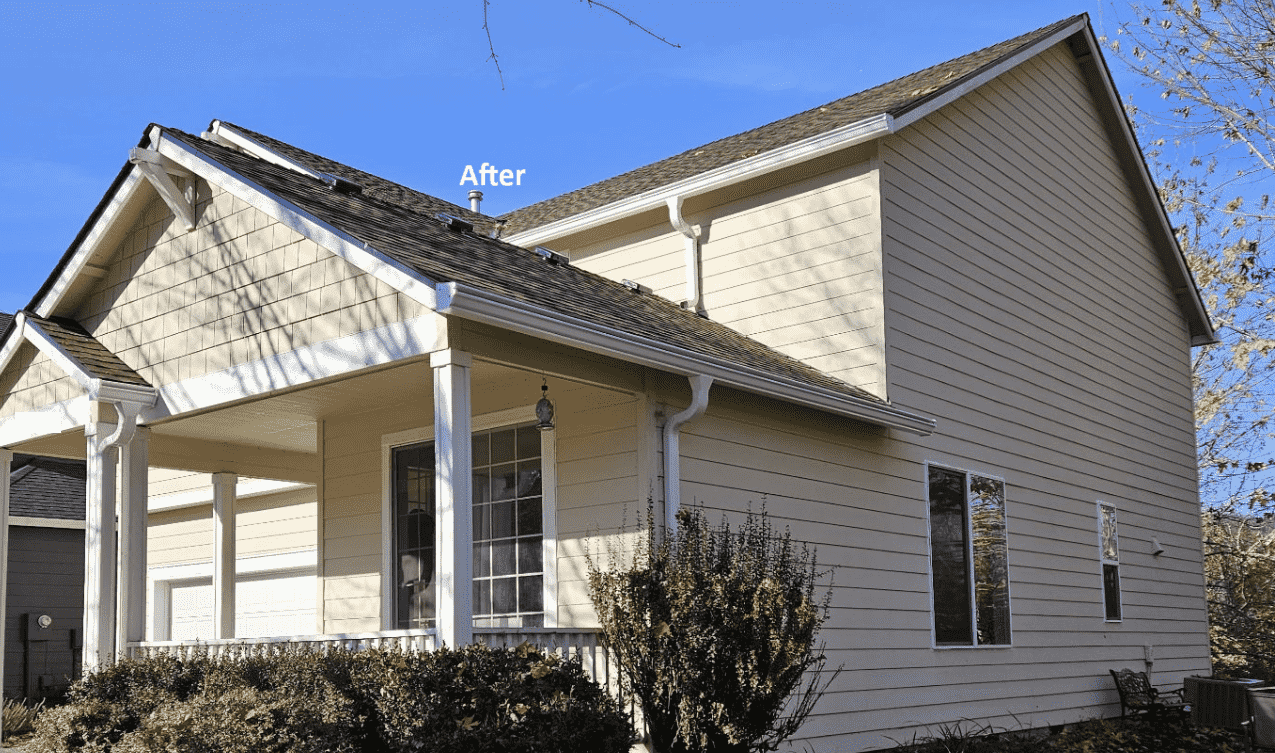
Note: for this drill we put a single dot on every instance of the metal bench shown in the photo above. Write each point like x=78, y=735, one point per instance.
x=1138, y=695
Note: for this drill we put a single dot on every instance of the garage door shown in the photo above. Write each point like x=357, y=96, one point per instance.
x=267, y=604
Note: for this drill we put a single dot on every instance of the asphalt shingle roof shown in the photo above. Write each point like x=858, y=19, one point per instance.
x=415, y=238
x=373, y=186
x=100, y=362
x=894, y=98
x=48, y=488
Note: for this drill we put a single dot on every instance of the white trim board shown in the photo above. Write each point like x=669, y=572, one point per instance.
x=20, y=520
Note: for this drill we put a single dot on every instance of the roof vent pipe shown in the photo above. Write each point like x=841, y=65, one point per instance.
x=475, y=200
x=700, y=386
x=694, y=296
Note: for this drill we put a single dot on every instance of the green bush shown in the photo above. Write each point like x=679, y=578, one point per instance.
x=1161, y=734
x=714, y=633
x=499, y=701
x=514, y=701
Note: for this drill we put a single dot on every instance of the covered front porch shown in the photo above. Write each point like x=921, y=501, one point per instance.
x=448, y=511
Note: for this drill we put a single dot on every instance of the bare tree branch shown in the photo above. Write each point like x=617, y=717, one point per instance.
x=591, y=3
x=492, y=47
x=604, y=6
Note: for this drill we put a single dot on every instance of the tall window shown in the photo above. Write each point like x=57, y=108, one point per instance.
x=508, y=530
x=969, y=559
x=414, y=535
x=1109, y=551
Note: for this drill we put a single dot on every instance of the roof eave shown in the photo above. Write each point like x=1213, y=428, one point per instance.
x=846, y=136
x=482, y=306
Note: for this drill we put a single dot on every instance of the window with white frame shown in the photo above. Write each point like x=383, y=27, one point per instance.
x=514, y=552
x=968, y=558
x=1109, y=553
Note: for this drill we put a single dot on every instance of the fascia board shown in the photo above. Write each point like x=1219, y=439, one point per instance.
x=843, y=137
x=478, y=305
x=91, y=243
x=383, y=345
x=950, y=95
x=70, y=366
x=46, y=421
x=356, y=252
x=259, y=150
x=20, y=520
x=1148, y=185
x=16, y=337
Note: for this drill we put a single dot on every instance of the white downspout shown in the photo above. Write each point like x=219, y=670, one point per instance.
x=694, y=295
x=700, y=385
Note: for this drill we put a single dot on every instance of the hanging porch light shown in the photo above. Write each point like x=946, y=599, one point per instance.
x=544, y=409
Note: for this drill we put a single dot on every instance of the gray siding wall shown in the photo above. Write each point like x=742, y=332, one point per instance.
x=46, y=576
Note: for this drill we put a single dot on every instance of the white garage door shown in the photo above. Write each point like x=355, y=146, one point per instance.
x=266, y=604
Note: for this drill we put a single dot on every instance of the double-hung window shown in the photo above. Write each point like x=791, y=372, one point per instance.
x=968, y=558
x=1109, y=553
x=512, y=511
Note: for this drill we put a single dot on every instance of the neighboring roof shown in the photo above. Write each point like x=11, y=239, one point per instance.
x=416, y=239
x=98, y=362
x=372, y=185
x=47, y=488
x=894, y=98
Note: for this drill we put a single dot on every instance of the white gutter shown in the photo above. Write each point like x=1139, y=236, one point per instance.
x=481, y=306
x=694, y=293
x=700, y=387
x=815, y=146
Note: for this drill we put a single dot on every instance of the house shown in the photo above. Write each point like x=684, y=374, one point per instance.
x=942, y=326
x=45, y=566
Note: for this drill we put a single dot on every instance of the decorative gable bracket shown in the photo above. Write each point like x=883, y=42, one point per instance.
x=159, y=170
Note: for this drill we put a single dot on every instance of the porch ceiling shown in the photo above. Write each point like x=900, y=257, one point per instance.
x=277, y=436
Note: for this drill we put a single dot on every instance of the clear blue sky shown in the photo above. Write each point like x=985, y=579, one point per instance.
x=404, y=90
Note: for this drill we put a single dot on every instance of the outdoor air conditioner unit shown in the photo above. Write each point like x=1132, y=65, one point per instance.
x=1218, y=703
x=1262, y=706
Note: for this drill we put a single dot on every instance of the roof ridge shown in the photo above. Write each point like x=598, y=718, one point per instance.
x=891, y=97
x=369, y=181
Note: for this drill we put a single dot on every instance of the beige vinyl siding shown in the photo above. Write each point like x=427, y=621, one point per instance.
x=240, y=287
x=268, y=524
x=33, y=381
x=796, y=267
x=1029, y=312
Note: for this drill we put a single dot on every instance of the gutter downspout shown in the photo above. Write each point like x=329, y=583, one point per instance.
x=694, y=295
x=700, y=386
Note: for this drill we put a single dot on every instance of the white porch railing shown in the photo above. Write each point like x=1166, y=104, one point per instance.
x=413, y=640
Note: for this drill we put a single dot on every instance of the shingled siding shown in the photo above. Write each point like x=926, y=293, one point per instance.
x=1028, y=312
x=797, y=268
x=240, y=287
x=34, y=381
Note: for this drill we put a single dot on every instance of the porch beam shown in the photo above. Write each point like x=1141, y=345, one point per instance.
x=224, y=554
x=453, y=482
x=188, y=454
x=99, y=547
x=134, y=476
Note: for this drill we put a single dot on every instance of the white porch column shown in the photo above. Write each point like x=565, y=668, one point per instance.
x=134, y=473
x=99, y=547
x=453, y=482
x=6, y=465
x=224, y=554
